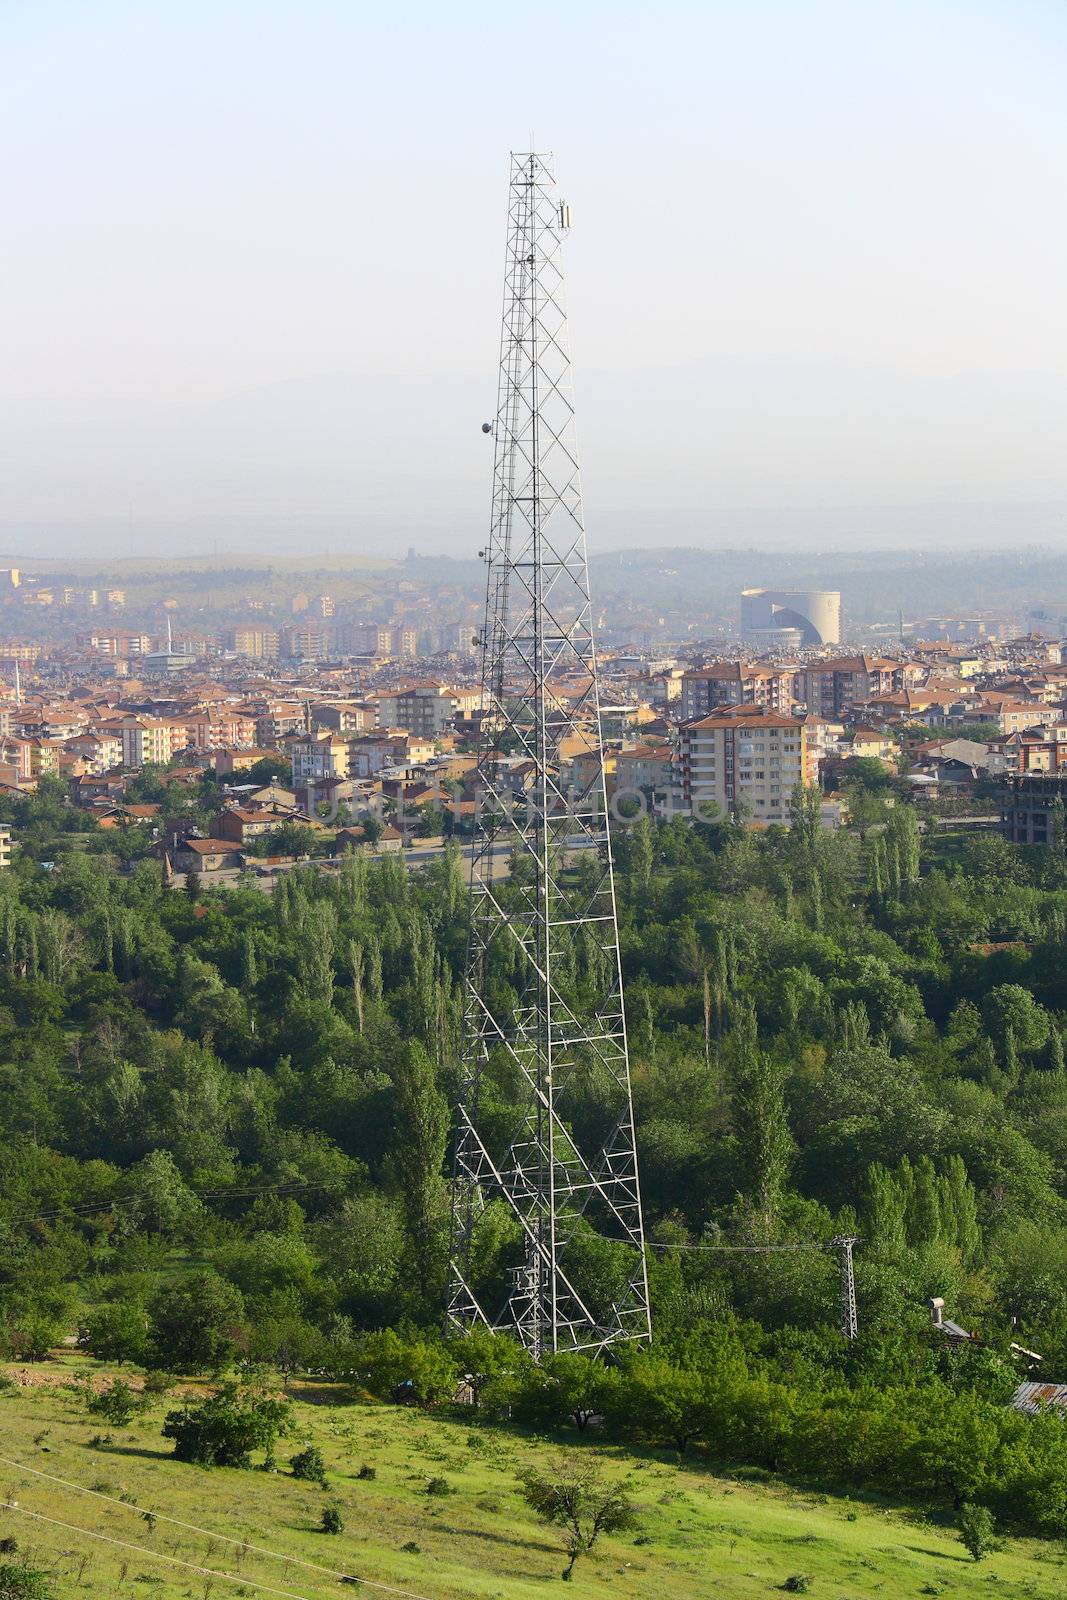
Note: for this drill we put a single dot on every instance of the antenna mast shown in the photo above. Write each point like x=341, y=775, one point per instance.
x=543, y=1016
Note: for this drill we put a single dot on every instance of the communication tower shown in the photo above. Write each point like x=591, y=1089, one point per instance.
x=544, y=1025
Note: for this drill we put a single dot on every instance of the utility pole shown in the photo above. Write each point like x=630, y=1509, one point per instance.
x=543, y=1010
x=850, y=1326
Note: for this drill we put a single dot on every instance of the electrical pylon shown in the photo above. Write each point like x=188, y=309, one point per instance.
x=543, y=1013
x=850, y=1322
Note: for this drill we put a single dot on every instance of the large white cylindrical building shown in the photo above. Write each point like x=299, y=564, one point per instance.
x=791, y=617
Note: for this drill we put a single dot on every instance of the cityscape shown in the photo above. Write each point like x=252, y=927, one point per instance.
x=533, y=934
x=371, y=707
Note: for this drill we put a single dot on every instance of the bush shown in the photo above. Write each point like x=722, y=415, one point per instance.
x=332, y=1521
x=365, y=1473
x=223, y=1431
x=24, y=1583
x=308, y=1465
x=117, y=1405
x=438, y=1486
x=977, y=1530
x=797, y=1583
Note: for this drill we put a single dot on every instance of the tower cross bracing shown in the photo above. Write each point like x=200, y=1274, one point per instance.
x=543, y=1012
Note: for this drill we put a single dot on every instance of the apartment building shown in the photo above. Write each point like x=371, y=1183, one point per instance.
x=1035, y=749
x=15, y=753
x=116, y=643
x=311, y=642
x=744, y=762
x=644, y=768
x=24, y=654
x=832, y=687
x=459, y=637
x=1028, y=809
x=261, y=644
x=276, y=718
x=45, y=757
x=380, y=639
x=377, y=754
x=98, y=751
x=314, y=760
x=345, y=716
x=1016, y=717
x=736, y=683
x=5, y=848
x=220, y=730
x=147, y=739
x=425, y=709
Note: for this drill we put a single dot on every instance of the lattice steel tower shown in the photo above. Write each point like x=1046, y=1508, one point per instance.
x=544, y=1008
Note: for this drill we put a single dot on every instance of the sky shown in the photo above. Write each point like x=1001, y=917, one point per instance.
x=253, y=252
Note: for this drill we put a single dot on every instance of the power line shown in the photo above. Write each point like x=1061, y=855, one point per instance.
x=153, y=1555
x=740, y=1249
x=208, y=1533
x=90, y=1208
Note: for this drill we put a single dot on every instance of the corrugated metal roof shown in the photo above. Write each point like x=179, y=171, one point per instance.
x=1030, y=1397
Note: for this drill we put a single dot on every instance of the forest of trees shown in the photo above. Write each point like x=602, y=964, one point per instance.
x=224, y=1136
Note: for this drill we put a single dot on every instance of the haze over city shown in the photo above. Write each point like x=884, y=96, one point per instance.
x=254, y=257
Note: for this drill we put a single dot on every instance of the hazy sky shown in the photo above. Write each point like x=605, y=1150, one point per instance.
x=253, y=254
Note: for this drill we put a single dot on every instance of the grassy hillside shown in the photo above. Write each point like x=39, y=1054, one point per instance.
x=698, y=1534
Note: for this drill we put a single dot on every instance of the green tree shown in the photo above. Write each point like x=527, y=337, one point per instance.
x=400, y=1368
x=158, y=1200
x=765, y=1143
x=115, y=1332
x=576, y=1498
x=565, y=1388
x=490, y=1362
x=1011, y=1010
x=308, y=1465
x=117, y=1404
x=417, y=1158
x=655, y=1399
x=196, y=1324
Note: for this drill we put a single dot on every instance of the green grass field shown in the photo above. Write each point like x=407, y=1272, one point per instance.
x=699, y=1533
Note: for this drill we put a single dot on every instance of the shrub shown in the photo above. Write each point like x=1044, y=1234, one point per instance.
x=224, y=1430
x=308, y=1465
x=797, y=1583
x=438, y=1486
x=365, y=1473
x=30, y=1338
x=977, y=1530
x=117, y=1405
x=332, y=1521
x=24, y=1583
